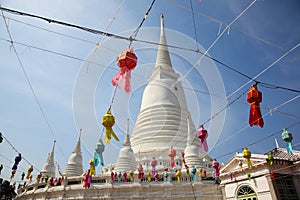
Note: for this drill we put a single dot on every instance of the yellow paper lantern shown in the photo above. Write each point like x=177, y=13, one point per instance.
x=108, y=120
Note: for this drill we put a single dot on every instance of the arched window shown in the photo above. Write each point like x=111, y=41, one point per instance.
x=245, y=192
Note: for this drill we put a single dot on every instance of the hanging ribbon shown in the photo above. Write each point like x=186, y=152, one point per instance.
x=202, y=135
x=183, y=160
x=178, y=174
x=194, y=170
x=172, y=154
x=273, y=174
x=18, y=159
x=166, y=174
x=1, y=167
x=149, y=177
x=249, y=176
x=131, y=175
x=1, y=138
x=141, y=172
x=22, y=176
x=92, y=167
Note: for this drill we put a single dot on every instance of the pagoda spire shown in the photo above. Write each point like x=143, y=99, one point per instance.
x=49, y=166
x=74, y=166
x=163, y=67
x=163, y=55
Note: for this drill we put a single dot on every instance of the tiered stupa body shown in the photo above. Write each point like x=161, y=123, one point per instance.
x=162, y=122
x=74, y=166
x=49, y=166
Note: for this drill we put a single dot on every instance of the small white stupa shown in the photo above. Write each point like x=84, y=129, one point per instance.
x=49, y=166
x=126, y=160
x=74, y=166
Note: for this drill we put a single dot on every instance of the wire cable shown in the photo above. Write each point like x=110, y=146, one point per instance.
x=239, y=131
x=29, y=83
x=217, y=39
x=15, y=149
x=267, y=68
x=271, y=86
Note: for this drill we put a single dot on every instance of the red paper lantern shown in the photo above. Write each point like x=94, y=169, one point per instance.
x=254, y=97
x=127, y=61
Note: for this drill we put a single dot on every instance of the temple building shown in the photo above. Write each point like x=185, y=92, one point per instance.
x=164, y=122
x=164, y=127
x=273, y=175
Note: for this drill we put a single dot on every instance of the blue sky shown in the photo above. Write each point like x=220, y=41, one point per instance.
x=259, y=37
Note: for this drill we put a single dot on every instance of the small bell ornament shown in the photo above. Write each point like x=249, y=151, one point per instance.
x=172, y=154
x=108, y=120
x=254, y=97
x=247, y=156
x=127, y=61
x=202, y=135
x=288, y=138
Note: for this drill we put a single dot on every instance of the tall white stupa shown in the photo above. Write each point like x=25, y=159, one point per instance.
x=162, y=121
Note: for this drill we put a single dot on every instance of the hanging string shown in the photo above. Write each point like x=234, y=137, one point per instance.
x=194, y=24
x=217, y=39
x=14, y=148
x=29, y=83
x=258, y=141
x=134, y=34
x=245, y=127
x=268, y=85
x=267, y=68
x=225, y=24
x=99, y=43
x=131, y=38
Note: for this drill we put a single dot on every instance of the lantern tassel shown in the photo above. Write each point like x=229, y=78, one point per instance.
x=249, y=164
x=126, y=81
x=96, y=159
x=109, y=132
x=289, y=148
x=203, y=145
x=172, y=162
x=255, y=117
x=115, y=136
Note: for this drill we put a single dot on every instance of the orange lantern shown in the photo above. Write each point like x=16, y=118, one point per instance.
x=254, y=97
